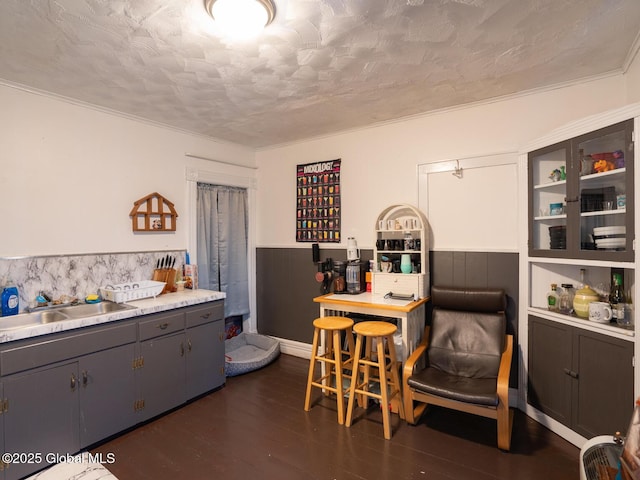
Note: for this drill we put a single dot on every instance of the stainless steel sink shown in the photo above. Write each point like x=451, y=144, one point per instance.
x=63, y=313
x=31, y=319
x=49, y=316
x=93, y=309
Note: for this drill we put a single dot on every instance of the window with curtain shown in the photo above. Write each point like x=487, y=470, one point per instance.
x=222, y=244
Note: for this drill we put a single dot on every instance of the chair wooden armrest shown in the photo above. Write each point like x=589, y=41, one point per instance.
x=504, y=416
x=411, y=413
x=412, y=360
x=505, y=369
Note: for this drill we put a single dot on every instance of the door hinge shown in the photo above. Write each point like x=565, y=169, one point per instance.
x=138, y=405
x=137, y=363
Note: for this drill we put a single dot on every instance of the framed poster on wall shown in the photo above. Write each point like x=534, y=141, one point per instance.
x=318, y=202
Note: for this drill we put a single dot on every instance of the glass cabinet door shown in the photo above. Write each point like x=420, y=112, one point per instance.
x=581, y=196
x=549, y=171
x=605, y=192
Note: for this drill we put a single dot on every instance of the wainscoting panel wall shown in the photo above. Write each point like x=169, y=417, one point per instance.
x=286, y=287
x=483, y=269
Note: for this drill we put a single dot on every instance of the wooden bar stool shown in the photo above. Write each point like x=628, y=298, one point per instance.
x=332, y=359
x=385, y=365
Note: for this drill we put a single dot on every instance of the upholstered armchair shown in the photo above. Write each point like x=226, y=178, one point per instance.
x=464, y=360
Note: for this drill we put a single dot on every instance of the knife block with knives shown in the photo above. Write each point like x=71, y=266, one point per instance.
x=164, y=272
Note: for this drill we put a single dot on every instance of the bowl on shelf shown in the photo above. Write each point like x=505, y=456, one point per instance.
x=609, y=232
x=558, y=237
x=611, y=243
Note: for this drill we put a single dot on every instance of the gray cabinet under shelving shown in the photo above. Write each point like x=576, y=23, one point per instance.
x=582, y=379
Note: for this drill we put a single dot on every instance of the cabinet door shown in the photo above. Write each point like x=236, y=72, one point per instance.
x=550, y=362
x=603, y=392
x=604, y=161
x=162, y=378
x=549, y=186
x=107, y=393
x=205, y=358
x=42, y=415
x=581, y=196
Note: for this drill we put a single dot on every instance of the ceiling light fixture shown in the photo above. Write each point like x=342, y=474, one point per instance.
x=241, y=18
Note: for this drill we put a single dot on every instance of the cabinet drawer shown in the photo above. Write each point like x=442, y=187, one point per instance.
x=404, y=284
x=34, y=354
x=206, y=313
x=161, y=324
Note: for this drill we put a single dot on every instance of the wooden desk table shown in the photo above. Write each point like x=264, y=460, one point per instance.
x=410, y=314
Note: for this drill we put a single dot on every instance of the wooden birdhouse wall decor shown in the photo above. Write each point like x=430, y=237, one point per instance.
x=153, y=213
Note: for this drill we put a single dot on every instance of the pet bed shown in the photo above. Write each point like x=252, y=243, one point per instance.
x=249, y=351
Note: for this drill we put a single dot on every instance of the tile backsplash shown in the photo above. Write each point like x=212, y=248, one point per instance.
x=78, y=275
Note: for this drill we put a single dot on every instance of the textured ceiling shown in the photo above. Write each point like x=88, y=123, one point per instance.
x=322, y=66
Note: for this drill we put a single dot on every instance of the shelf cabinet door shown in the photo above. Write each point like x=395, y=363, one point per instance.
x=601, y=208
x=603, y=392
x=549, y=187
x=42, y=415
x=581, y=196
x=107, y=393
x=550, y=363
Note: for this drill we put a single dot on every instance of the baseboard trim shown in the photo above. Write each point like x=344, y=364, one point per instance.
x=296, y=349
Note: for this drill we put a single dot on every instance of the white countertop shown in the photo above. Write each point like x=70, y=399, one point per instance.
x=168, y=301
x=368, y=297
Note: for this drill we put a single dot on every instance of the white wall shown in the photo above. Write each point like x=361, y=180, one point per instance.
x=379, y=165
x=632, y=77
x=70, y=175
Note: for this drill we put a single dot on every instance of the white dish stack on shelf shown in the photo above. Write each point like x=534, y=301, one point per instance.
x=610, y=238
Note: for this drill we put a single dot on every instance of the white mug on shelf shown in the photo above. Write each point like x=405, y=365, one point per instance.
x=600, y=312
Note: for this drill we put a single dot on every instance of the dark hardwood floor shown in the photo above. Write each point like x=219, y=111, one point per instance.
x=255, y=427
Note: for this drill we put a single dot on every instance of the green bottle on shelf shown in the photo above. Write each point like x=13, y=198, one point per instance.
x=617, y=299
x=553, y=299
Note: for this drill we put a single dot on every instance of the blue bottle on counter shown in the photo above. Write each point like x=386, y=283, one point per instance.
x=10, y=301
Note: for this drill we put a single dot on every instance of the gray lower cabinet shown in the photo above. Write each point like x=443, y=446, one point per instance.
x=582, y=379
x=205, y=349
x=62, y=392
x=182, y=355
x=41, y=417
x=107, y=393
x=162, y=378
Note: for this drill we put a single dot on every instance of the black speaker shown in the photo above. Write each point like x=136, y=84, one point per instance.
x=315, y=251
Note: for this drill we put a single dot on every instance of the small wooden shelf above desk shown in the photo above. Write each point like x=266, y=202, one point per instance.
x=410, y=314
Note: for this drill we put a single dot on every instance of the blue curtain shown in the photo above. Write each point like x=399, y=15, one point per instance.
x=222, y=244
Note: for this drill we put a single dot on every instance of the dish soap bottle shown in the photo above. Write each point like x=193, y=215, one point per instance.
x=553, y=299
x=10, y=301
